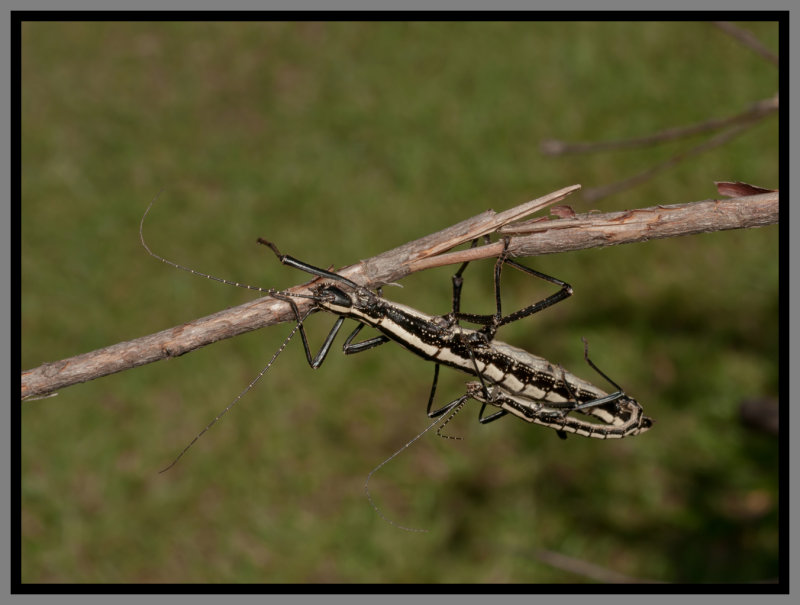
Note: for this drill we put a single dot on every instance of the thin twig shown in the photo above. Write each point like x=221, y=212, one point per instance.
x=748, y=39
x=753, y=113
x=596, y=193
x=586, y=569
x=543, y=237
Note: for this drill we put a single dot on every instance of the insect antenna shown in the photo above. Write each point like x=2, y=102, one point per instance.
x=242, y=394
x=456, y=407
x=456, y=410
x=181, y=267
x=271, y=291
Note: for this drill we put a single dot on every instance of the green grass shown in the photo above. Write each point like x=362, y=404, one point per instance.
x=340, y=141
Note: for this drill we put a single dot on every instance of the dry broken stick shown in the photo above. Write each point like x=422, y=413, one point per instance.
x=539, y=238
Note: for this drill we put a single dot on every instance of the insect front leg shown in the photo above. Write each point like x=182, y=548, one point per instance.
x=314, y=361
x=298, y=264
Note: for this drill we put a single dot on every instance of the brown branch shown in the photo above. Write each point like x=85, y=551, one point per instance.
x=539, y=237
x=532, y=238
x=384, y=268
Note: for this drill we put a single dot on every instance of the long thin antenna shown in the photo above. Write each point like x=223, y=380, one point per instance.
x=457, y=405
x=181, y=267
x=240, y=395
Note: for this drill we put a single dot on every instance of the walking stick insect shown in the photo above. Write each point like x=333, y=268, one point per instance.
x=522, y=384
x=519, y=379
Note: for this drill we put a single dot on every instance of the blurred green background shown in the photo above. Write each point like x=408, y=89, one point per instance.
x=339, y=141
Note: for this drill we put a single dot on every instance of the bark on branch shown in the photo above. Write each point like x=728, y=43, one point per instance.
x=532, y=238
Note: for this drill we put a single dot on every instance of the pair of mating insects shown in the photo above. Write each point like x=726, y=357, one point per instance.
x=508, y=378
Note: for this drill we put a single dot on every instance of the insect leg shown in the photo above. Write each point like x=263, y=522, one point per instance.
x=458, y=282
x=487, y=419
x=564, y=292
x=316, y=360
x=370, y=343
x=446, y=407
x=492, y=322
x=594, y=367
x=440, y=411
x=600, y=401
